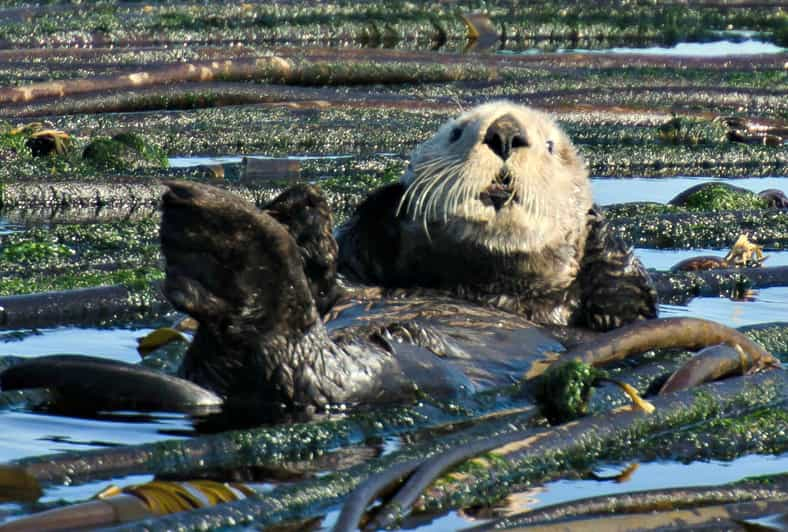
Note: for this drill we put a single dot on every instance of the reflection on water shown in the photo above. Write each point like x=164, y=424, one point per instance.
x=117, y=344
x=720, y=48
x=769, y=304
x=656, y=475
x=648, y=476
x=7, y=228
x=698, y=49
x=27, y=434
x=662, y=190
x=664, y=259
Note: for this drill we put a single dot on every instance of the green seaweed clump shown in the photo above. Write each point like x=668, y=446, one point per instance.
x=722, y=197
x=691, y=132
x=135, y=279
x=124, y=151
x=35, y=251
x=564, y=390
x=12, y=143
x=639, y=208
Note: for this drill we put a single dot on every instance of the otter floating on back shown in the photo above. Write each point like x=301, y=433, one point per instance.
x=496, y=208
x=491, y=228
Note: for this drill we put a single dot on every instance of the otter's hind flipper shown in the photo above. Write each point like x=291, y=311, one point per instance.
x=240, y=273
x=103, y=384
x=304, y=211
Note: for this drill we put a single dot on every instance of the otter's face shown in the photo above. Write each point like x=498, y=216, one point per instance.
x=500, y=175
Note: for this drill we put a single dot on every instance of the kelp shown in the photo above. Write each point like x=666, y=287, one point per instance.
x=357, y=97
x=682, y=230
x=547, y=454
x=734, y=283
x=768, y=488
x=389, y=24
x=267, y=445
x=91, y=304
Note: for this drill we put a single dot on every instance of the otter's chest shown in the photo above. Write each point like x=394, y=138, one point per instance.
x=540, y=286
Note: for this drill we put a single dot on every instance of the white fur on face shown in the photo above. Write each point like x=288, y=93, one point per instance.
x=449, y=173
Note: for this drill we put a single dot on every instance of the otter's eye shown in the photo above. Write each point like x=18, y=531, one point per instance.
x=550, y=146
x=456, y=133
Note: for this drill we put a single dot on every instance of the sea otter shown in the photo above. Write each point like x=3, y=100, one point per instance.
x=494, y=212
x=491, y=229
x=496, y=208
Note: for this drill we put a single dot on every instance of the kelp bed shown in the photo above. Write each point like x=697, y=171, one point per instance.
x=95, y=100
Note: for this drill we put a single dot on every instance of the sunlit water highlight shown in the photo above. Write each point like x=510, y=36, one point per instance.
x=661, y=190
x=116, y=343
x=697, y=49
x=665, y=259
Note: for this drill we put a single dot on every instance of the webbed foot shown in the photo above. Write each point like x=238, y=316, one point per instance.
x=240, y=273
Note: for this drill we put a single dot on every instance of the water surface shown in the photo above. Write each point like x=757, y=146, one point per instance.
x=609, y=190
x=665, y=259
x=724, y=47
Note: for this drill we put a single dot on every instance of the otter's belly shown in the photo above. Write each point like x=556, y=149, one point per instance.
x=445, y=345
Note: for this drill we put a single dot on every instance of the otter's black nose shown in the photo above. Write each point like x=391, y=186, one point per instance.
x=504, y=135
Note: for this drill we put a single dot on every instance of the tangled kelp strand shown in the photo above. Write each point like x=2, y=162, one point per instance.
x=601, y=436
x=259, y=446
x=86, y=305
x=767, y=488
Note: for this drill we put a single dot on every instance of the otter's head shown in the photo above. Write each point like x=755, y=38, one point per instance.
x=500, y=175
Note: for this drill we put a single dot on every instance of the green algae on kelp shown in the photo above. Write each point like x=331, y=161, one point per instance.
x=767, y=227
x=713, y=197
x=134, y=278
x=124, y=151
x=496, y=479
x=395, y=23
x=699, y=407
x=563, y=391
